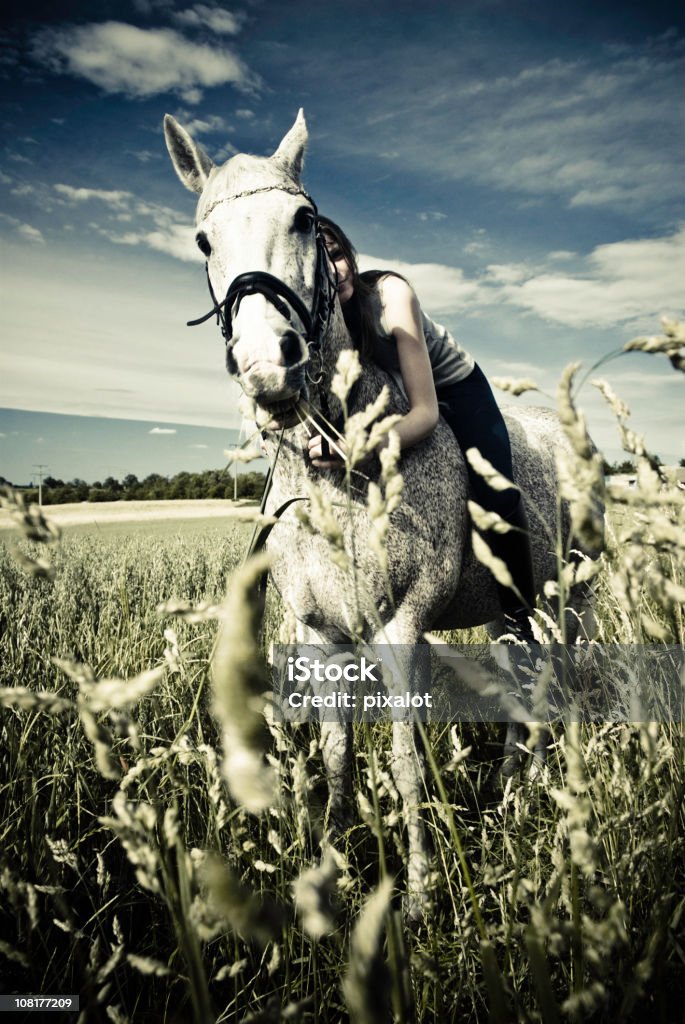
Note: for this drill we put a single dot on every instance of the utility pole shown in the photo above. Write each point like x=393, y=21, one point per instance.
x=235, y=474
x=41, y=468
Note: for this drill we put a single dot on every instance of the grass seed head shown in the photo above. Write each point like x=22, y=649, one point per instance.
x=315, y=892
x=347, y=372
x=513, y=386
x=487, y=471
x=366, y=982
x=240, y=679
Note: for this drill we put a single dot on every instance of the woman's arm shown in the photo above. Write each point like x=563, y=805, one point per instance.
x=402, y=319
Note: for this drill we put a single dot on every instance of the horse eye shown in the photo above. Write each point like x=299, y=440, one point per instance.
x=203, y=244
x=304, y=219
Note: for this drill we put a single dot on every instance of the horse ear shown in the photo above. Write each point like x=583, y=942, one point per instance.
x=290, y=153
x=189, y=159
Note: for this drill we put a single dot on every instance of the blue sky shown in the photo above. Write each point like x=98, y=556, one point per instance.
x=521, y=161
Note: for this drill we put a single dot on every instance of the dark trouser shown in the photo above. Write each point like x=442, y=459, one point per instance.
x=473, y=414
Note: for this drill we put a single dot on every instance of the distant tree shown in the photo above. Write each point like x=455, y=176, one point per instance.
x=682, y=463
x=250, y=485
x=180, y=486
x=113, y=486
x=66, y=495
x=98, y=493
x=154, y=487
x=209, y=483
x=626, y=466
x=80, y=488
x=217, y=490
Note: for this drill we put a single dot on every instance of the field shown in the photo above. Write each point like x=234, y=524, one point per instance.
x=133, y=874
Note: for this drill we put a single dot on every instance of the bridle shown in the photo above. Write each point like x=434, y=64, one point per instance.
x=315, y=322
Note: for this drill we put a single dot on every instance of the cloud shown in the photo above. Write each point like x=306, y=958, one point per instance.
x=121, y=58
x=144, y=155
x=442, y=289
x=27, y=231
x=162, y=430
x=196, y=445
x=116, y=199
x=622, y=282
x=30, y=233
x=157, y=226
x=177, y=240
x=631, y=282
x=213, y=18
x=599, y=130
x=203, y=125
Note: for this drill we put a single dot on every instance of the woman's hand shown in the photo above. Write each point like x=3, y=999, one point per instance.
x=323, y=455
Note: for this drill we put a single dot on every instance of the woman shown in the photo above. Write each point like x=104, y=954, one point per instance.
x=439, y=377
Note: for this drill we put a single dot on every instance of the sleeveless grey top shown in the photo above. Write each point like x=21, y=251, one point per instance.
x=449, y=361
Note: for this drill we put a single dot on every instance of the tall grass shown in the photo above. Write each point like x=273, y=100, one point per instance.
x=133, y=874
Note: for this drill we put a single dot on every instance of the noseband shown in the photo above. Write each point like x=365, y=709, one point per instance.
x=277, y=292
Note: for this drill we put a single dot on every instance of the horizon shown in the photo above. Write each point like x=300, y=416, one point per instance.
x=51, y=440
x=521, y=166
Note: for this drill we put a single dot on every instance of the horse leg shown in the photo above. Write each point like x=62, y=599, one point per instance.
x=407, y=765
x=336, y=751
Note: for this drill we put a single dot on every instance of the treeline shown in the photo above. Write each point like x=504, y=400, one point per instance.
x=212, y=483
x=625, y=467
x=628, y=466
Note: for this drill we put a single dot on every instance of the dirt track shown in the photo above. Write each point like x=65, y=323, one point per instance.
x=93, y=513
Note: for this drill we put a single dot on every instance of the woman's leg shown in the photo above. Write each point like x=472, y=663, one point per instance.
x=473, y=414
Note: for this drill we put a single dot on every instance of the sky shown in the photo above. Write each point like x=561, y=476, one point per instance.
x=520, y=162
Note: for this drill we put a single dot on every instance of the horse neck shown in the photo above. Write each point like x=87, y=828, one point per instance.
x=336, y=340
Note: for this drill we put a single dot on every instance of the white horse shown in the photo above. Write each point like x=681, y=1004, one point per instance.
x=270, y=285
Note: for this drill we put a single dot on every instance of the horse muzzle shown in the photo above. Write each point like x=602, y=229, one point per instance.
x=274, y=388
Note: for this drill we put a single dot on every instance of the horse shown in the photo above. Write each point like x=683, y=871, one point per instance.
x=284, y=332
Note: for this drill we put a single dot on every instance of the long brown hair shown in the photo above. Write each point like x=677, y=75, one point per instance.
x=358, y=310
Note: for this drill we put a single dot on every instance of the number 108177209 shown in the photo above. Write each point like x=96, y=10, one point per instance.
x=27, y=1003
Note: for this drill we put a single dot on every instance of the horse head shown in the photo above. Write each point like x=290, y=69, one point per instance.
x=268, y=274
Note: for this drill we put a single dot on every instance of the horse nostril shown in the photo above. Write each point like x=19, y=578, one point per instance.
x=290, y=348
